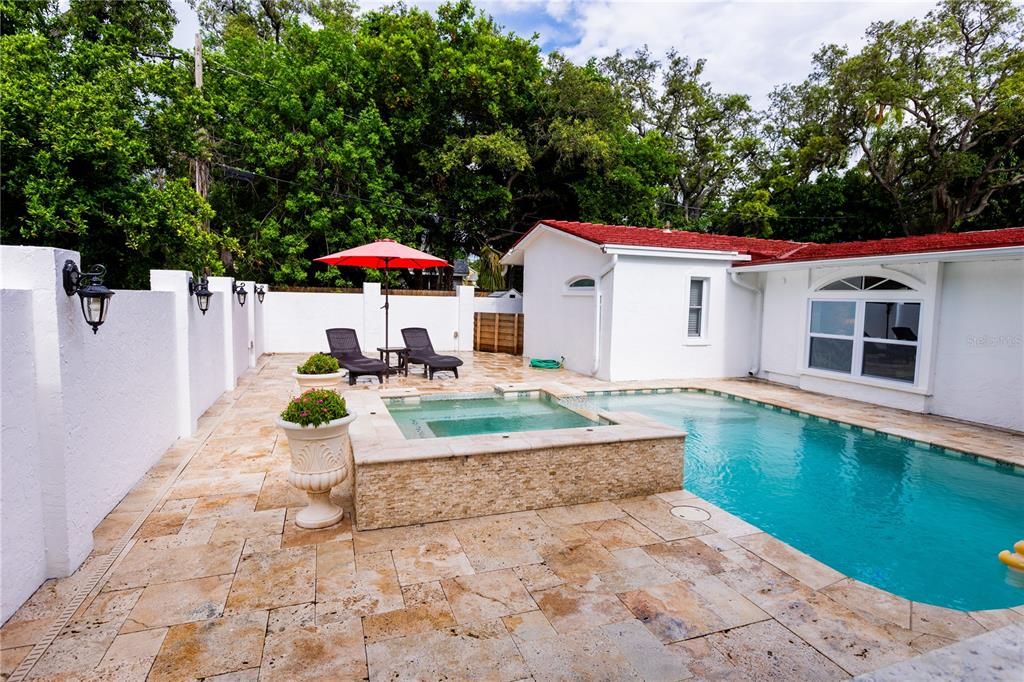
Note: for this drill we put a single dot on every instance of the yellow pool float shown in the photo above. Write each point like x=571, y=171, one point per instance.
x=1014, y=559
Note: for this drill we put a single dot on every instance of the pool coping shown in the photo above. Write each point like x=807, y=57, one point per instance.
x=978, y=458
x=377, y=439
x=734, y=391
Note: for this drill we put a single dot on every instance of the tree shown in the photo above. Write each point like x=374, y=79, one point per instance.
x=931, y=109
x=96, y=133
x=713, y=136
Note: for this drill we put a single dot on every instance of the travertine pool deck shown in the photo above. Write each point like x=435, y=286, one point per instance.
x=218, y=583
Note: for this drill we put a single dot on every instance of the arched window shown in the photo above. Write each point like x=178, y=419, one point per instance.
x=866, y=326
x=581, y=283
x=865, y=283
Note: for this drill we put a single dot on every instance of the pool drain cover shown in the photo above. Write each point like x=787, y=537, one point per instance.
x=690, y=513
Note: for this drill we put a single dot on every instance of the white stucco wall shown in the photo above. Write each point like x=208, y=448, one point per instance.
x=783, y=321
x=105, y=407
x=119, y=399
x=558, y=322
x=84, y=416
x=643, y=313
x=206, y=355
x=784, y=337
x=979, y=355
x=649, y=310
x=971, y=357
x=439, y=315
x=485, y=304
x=240, y=333
x=258, y=326
x=294, y=322
x=21, y=500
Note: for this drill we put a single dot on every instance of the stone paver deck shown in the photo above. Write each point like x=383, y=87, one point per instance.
x=218, y=583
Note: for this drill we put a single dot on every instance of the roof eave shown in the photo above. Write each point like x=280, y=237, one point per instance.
x=514, y=256
x=669, y=252
x=993, y=253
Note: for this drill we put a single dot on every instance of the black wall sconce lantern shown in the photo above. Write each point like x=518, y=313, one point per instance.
x=202, y=293
x=94, y=296
x=240, y=292
x=260, y=293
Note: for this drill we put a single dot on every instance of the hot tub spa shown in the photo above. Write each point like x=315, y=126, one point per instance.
x=420, y=459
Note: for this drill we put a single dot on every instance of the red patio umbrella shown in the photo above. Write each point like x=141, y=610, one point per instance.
x=384, y=254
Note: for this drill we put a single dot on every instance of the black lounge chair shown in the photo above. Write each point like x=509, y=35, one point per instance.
x=421, y=352
x=345, y=347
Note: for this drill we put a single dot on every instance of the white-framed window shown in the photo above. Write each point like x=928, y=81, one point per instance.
x=872, y=337
x=697, y=309
x=582, y=285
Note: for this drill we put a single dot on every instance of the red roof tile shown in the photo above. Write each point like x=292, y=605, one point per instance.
x=625, y=235
x=780, y=251
x=927, y=243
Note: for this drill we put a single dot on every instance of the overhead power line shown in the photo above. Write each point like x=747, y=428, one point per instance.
x=345, y=195
x=212, y=59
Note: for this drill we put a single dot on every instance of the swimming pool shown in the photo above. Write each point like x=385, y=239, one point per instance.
x=921, y=523
x=477, y=414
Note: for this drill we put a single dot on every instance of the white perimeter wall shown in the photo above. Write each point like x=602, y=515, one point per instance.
x=294, y=322
x=486, y=304
x=439, y=315
x=21, y=492
x=979, y=354
x=84, y=415
x=649, y=313
x=240, y=339
x=117, y=395
x=558, y=322
x=206, y=354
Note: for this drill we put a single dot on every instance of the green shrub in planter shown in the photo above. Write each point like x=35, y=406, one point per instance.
x=320, y=363
x=315, y=407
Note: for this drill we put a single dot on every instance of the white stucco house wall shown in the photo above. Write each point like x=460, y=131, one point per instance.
x=931, y=324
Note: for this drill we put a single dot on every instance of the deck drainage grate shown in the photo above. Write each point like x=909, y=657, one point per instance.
x=690, y=513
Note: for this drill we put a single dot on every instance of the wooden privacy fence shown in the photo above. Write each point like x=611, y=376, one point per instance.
x=498, y=332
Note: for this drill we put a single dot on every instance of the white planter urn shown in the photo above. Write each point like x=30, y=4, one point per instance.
x=319, y=462
x=308, y=382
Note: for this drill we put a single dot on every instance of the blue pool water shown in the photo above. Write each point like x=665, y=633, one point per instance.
x=920, y=523
x=475, y=414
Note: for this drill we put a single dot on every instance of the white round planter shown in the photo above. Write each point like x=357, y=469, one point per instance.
x=319, y=462
x=308, y=382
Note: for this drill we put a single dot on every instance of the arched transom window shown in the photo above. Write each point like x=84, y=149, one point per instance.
x=865, y=283
x=865, y=326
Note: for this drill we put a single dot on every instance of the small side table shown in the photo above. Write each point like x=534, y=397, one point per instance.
x=384, y=353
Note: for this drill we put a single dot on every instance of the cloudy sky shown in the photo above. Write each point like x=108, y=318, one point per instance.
x=750, y=46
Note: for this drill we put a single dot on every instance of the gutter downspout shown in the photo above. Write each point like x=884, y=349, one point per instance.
x=734, y=276
x=597, y=312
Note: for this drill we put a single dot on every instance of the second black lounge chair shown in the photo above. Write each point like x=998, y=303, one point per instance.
x=345, y=347
x=421, y=352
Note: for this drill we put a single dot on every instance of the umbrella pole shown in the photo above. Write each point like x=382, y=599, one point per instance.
x=387, y=313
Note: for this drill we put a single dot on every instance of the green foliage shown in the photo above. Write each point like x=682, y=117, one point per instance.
x=490, y=272
x=320, y=363
x=930, y=110
x=325, y=129
x=316, y=407
x=96, y=135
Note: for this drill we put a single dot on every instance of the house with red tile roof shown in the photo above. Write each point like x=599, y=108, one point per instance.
x=931, y=323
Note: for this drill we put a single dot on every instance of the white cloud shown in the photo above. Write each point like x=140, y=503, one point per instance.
x=750, y=47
